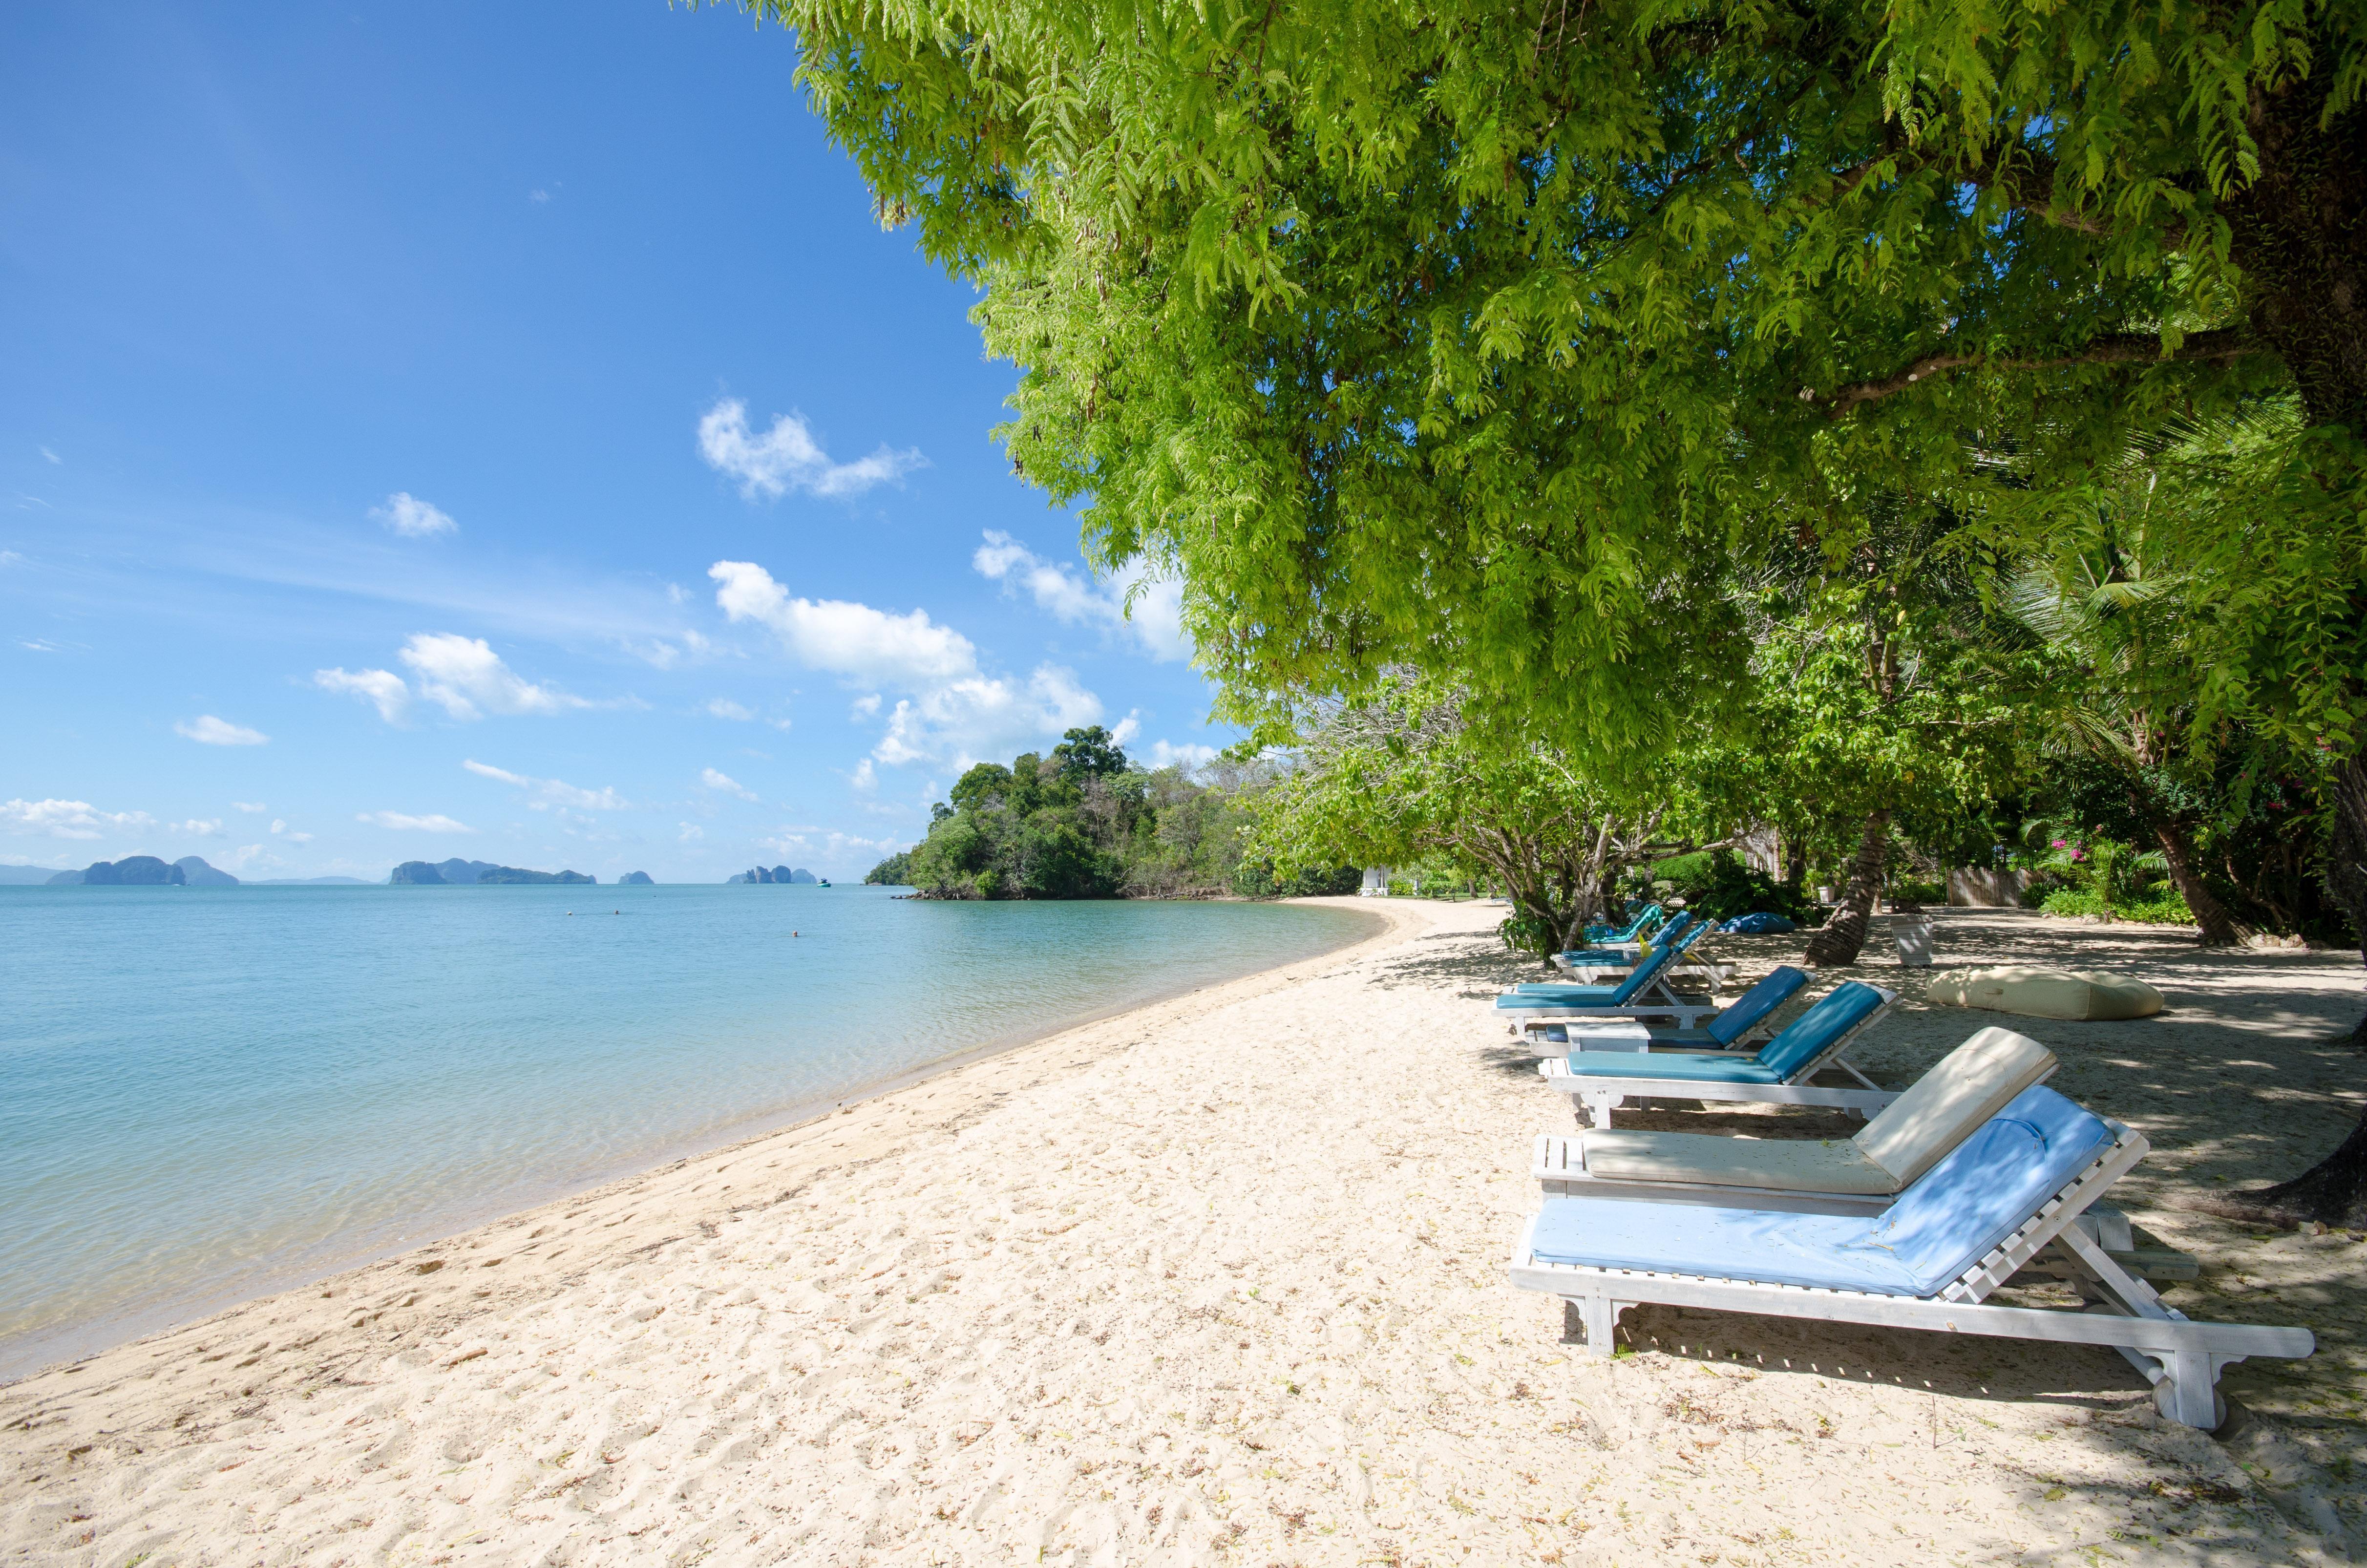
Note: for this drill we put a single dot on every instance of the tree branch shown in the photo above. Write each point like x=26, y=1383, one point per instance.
x=2111, y=348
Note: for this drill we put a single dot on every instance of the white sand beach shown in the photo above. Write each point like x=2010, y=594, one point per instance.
x=1222, y=1280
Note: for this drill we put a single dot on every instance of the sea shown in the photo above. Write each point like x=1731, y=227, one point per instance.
x=207, y=1093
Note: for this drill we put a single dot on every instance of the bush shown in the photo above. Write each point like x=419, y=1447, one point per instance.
x=1717, y=885
x=2168, y=910
x=1529, y=934
x=1256, y=878
x=896, y=871
x=1918, y=892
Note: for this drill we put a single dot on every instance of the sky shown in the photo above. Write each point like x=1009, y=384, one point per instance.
x=437, y=430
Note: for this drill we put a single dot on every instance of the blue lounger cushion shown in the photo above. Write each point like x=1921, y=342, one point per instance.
x=1756, y=1003
x=1605, y=956
x=1680, y=935
x=1711, y=1067
x=1938, y=1228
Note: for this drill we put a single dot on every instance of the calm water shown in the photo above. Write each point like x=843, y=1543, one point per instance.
x=208, y=1092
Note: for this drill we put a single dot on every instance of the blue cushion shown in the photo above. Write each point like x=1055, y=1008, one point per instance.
x=1724, y=1067
x=1813, y=1033
x=1554, y=994
x=1756, y=1003
x=1986, y=1187
x=1941, y=1226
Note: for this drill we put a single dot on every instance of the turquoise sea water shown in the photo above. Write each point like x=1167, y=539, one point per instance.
x=206, y=1093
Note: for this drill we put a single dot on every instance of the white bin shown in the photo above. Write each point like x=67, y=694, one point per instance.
x=1913, y=933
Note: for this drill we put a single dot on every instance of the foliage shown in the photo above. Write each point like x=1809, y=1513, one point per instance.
x=1717, y=885
x=1084, y=823
x=896, y=871
x=1257, y=878
x=1405, y=776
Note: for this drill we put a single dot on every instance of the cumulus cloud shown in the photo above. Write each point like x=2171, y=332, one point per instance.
x=1154, y=621
x=956, y=713
x=551, y=792
x=787, y=457
x=404, y=822
x=280, y=827
x=207, y=730
x=70, y=819
x=383, y=688
x=469, y=679
x=413, y=518
x=866, y=647
x=724, y=708
x=195, y=827
x=723, y=783
x=253, y=808
x=965, y=722
x=691, y=831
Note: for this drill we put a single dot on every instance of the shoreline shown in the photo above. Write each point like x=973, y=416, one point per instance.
x=90, y=1339
x=1221, y=1282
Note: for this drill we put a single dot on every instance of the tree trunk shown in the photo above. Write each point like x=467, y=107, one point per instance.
x=2333, y=1192
x=1836, y=946
x=2219, y=928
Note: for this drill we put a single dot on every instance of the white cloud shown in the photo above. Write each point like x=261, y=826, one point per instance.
x=469, y=679
x=10, y=558
x=724, y=708
x=207, y=730
x=51, y=456
x=691, y=831
x=195, y=827
x=787, y=457
x=538, y=196
x=1155, y=620
x=414, y=519
x=1187, y=754
x=70, y=819
x=552, y=791
x=725, y=783
x=403, y=822
x=965, y=721
x=280, y=827
x=865, y=778
x=1125, y=729
x=381, y=686
x=253, y=808
x=866, y=646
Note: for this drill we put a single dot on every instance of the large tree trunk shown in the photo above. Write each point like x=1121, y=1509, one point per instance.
x=2333, y=1192
x=2218, y=926
x=1836, y=946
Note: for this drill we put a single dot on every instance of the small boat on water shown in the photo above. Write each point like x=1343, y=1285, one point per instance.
x=825, y=881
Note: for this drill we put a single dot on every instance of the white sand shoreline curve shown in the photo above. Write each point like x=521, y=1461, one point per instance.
x=1223, y=1282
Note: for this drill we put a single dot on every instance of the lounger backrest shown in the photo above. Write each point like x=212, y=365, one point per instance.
x=1756, y=1003
x=1817, y=1031
x=1949, y=1104
x=1983, y=1191
x=1641, y=975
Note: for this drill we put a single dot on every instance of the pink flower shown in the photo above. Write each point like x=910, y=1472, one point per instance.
x=2060, y=844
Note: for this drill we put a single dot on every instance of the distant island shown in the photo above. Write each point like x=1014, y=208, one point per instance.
x=145, y=872
x=635, y=879
x=479, y=873
x=777, y=874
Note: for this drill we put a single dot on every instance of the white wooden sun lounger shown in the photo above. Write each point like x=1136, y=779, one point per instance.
x=1778, y=1073
x=2182, y=1358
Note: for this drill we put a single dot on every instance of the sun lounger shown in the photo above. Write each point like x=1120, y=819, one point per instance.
x=1778, y=1073
x=1645, y=994
x=1726, y=1031
x=1607, y=937
x=1852, y=1175
x=1999, y=1200
x=1621, y=951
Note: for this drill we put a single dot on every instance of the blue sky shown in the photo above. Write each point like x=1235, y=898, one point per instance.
x=437, y=430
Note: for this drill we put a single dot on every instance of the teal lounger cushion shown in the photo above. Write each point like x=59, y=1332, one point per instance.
x=1710, y=1067
x=1938, y=1228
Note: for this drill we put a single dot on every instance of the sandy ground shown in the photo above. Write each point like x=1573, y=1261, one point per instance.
x=1222, y=1282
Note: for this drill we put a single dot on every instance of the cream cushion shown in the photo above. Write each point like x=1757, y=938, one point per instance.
x=2077, y=994
x=1787, y=1164
x=1947, y=1104
x=1963, y=1089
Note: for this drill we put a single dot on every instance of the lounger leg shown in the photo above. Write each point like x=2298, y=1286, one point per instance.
x=2188, y=1391
x=1593, y=1318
